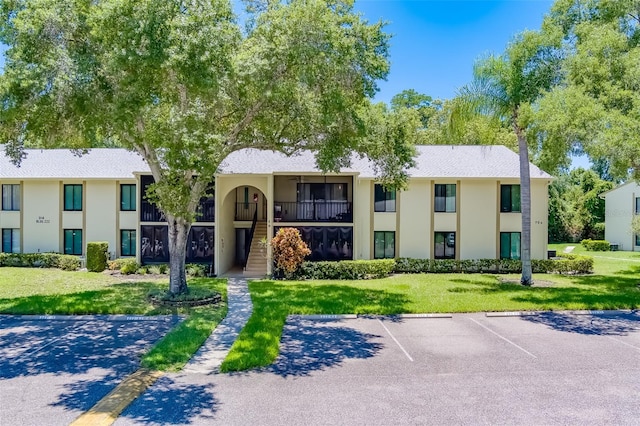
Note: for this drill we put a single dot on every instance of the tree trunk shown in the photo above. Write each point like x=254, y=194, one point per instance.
x=178, y=233
x=525, y=207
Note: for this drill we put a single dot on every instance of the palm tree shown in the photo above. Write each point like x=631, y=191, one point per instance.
x=505, y=88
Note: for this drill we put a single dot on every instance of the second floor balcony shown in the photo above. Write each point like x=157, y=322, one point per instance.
x=204, y=213
x=313, y=211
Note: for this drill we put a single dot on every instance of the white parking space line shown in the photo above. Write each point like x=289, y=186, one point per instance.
x=624, y=343
x=396, y=340
x=504, y=338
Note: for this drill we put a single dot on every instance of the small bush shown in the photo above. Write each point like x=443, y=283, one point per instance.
x=596, y=245
x=97, y=255
x=116, y=265
x=68, y=263
x=143, y=270
x=288, y=250
x=197, y=269
x=347, y=269
x=159, y=269
x=128, y=266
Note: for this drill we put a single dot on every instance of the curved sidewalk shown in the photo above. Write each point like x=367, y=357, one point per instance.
x=217, y=346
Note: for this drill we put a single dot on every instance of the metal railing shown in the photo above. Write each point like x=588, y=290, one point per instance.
x=313, y=211
x=247, y=248
x=205, y=212
x=246, y=211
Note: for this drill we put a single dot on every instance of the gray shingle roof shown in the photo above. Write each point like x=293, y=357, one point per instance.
x=433, y=161
x=99, y=163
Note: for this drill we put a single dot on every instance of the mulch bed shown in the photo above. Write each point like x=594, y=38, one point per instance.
x=158, y=301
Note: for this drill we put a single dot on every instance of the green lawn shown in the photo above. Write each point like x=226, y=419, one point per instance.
x=613, y=285
x=25, y=291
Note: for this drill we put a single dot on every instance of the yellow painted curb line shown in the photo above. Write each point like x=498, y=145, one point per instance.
x=107, y=410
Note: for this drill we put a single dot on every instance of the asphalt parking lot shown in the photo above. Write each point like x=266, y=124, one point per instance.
x=553, y=368
x=53, y=369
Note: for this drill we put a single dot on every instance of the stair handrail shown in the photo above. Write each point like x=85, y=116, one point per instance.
x=247, y=248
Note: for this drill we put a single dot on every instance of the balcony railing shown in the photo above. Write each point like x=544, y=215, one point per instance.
x=313, y=211
x=205, y=212
x=246, y=211
x=150, y=213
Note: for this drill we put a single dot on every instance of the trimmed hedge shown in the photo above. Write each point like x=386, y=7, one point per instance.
x=571, y=264
x=97, y=256
x=596, y=245
x=346, y=269
x=40, y=260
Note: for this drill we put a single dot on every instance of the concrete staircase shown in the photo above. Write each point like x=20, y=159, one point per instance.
x=257, y=262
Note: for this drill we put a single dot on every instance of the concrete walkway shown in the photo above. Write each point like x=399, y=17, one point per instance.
x=217, y=346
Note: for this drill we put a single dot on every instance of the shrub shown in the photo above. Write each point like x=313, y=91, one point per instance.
x=97, y=256
x=143, y=270
x=128, y=266
x=116, y=265
x=570, y=264
x=347, y=269
x=288, y=250
x=596, y=245
x=159, y=269
x=68, y=262
x=196, y=269
x=32, y=260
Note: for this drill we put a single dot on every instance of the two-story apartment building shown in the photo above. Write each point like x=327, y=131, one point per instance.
x=462, y=202
x=621, y=205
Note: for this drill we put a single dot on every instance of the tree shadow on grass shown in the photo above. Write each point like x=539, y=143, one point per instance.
x=586, y=292
x=609, y=324
x=171, y=402
x=308, y=346
x=258, y=342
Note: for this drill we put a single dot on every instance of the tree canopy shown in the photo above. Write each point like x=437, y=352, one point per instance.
x=184, y=84
x=596, y=109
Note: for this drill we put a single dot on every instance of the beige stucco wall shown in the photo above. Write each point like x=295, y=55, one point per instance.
x=42, y=219
x=102, y=205
x=415, y=220
x=619, y=211
x=362, y=219
x=478, y=203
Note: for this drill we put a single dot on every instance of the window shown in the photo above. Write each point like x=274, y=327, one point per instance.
x=637, y=205
x=73, y=197
x=11, y=241
x=127, y=242
x=510, y=245
x=509, y=198
x=127, y=197
x=638, y=239
x=11, y=197
x=445, y=245
x=445, y=198
x=384, y=243
x=385, y=200
x=73, y=241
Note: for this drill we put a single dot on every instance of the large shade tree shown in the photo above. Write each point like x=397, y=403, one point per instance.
x=597, y=108
x=505, y=88
x=184, y=84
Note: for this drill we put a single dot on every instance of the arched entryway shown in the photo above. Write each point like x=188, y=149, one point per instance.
x=242, y=229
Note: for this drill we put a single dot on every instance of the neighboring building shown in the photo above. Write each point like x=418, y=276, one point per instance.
x=621, y=205
x=462, y=202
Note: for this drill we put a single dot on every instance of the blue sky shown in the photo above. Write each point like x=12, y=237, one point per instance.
x=436, y=42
